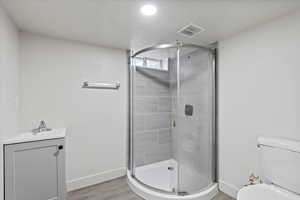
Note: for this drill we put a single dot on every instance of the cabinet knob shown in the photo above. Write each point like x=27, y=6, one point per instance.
x=60, y=147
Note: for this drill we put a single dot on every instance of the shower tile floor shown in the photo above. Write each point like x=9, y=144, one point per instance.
x=116, y=189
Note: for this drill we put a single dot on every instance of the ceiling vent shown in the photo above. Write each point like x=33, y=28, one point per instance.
x=191, y=30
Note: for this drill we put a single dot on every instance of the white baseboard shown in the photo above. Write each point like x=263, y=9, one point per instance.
x=228, y=189
x=82, y=182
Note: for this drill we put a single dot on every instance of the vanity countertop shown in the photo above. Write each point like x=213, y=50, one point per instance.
x=31, y=137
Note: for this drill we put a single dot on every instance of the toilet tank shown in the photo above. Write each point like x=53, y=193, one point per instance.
x=281, y=162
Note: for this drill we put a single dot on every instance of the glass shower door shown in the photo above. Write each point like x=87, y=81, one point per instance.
x=195, y=120
x=151, y=110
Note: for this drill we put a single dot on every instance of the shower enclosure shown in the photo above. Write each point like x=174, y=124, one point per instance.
x=172, y=151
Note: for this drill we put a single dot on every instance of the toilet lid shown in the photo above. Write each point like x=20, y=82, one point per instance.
x=265, y=192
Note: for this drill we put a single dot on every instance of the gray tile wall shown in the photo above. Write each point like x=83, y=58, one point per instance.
x=152, y=116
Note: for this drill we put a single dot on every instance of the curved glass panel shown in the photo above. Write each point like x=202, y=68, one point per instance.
x=152, y=140
x=194, y=119
x=171, y=117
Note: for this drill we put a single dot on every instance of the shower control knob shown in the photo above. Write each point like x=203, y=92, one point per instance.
x=171, y=168
x=188, y=110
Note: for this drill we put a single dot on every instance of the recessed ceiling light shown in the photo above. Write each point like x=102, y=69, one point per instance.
x=148, y=10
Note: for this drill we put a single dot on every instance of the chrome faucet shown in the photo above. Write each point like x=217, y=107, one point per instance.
x=41, y=128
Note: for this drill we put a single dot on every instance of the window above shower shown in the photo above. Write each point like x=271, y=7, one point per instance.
x=151, y=63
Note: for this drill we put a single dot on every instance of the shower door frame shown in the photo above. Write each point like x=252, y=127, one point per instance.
x=130, y=147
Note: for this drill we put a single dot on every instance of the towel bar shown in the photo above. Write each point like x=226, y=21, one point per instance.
x=114, y=85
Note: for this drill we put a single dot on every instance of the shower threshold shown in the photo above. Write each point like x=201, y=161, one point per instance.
x=148, y=194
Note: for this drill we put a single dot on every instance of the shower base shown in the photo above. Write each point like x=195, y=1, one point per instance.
x=157, y=175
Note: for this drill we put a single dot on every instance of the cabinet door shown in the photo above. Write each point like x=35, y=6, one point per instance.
x=35, y=170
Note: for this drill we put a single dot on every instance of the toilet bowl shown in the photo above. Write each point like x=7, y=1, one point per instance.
x=265, y=192
x=280, y=169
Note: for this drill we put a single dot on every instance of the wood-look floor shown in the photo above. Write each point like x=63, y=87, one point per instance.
x=116, y=189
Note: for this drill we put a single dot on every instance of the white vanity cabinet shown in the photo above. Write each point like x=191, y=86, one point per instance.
x=35, y=170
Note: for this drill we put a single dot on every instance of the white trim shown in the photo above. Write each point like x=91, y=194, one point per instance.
x=1, y=172
x=82, y=182
x=228, y=189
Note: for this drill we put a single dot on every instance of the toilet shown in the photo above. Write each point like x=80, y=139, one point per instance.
x=281, y=171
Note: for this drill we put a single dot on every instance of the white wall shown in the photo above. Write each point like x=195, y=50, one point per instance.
x=51, y=75
x=8, y=76
x=259, y=94
x=8, y=82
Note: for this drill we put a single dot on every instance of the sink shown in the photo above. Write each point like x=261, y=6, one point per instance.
x=30, y=137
